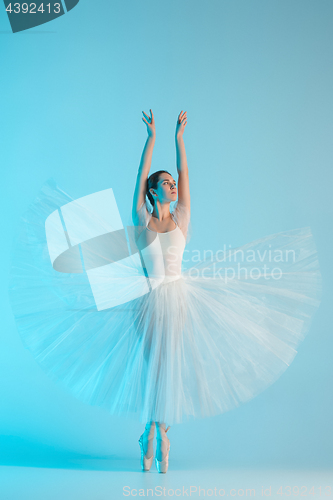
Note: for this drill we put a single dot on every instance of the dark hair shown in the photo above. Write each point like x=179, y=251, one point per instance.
x=152, y=182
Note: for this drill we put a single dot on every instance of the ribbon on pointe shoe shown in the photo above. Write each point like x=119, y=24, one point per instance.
x=145, y=442
x=145, y=462
x=162, y=466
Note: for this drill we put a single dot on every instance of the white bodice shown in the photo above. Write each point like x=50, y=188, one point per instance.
x=162, y=253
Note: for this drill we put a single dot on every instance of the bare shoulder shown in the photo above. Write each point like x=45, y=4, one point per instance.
x=183, y=206
x=141, y=215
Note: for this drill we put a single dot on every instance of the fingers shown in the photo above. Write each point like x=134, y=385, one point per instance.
x=182, y=116
x=148, y=118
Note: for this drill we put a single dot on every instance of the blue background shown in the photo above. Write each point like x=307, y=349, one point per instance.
x=256, y=79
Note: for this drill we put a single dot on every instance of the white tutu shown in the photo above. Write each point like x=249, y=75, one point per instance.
x=163, y=345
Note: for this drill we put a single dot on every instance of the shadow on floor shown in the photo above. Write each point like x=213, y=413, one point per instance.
x=18, y=451
x=22, y=452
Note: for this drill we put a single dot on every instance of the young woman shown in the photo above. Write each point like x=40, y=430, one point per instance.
x=161, y=190
x=178, y=344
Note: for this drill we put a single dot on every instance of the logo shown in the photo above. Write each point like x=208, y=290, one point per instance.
x=26, y=15
x=87, y=235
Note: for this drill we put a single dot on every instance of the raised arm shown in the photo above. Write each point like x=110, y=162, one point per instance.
x=144, y=167
x=182, y=168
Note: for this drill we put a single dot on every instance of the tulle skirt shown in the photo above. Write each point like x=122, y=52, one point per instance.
x=197, y=346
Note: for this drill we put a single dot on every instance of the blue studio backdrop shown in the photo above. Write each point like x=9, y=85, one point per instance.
x=255, y=78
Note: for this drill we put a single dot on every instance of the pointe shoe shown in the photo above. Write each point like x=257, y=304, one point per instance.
x=145, y=462
x=146, y=441
x=164, y=464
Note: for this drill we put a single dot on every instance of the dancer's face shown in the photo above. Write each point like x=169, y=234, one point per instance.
x=166, y=190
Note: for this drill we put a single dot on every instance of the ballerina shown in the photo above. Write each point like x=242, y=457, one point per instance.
x=179, y=343
x=160, y=187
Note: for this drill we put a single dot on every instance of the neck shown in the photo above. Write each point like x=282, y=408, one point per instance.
x=161, y=212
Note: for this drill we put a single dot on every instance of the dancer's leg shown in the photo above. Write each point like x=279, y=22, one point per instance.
x=148, y=439
x=162, y=441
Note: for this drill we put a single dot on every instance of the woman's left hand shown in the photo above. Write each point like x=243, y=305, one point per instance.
x=181, y=123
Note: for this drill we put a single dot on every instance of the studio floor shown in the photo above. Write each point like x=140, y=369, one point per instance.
x=119, y=479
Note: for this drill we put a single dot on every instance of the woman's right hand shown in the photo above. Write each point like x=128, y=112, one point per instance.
x=150, y=122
